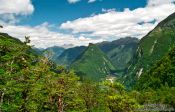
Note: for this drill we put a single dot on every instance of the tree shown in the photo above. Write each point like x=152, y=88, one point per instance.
x=92, y=96
x=117, y=99
x=62, y=88
x=14, y=60
x=1, y=26
x=27, y=40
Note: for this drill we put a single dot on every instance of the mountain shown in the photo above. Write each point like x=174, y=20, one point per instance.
x=67, y=46
x=39, y=51
x=93, y=64
x=151, y=49
x=55, y=52
x=162, y=74
x=120, y=51
x=69, y=55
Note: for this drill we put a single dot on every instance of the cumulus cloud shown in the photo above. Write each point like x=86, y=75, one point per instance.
x=9, y=9
x=73, y=1
x=159, y=2
x=91, y=1
x=109, y=25
x=23, y=7
x=42, y=37
x=113, y=24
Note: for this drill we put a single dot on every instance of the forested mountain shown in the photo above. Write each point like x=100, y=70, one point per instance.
x=93, y=64
x=161, y=74
x=151, y=49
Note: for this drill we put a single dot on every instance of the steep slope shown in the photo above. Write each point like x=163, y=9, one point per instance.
x=151, y=49
x=69, y=55
x=120, y=51
x=163, y=73
x=93, y=64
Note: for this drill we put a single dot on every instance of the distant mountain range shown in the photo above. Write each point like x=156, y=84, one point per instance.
x=55, y=52
x=69, y=55
x=119, y=52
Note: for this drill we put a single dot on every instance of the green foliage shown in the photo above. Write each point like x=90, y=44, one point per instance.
x=118, y=99
x=163, y=95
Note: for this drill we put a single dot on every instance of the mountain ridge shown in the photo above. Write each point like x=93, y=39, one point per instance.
x=93, y=64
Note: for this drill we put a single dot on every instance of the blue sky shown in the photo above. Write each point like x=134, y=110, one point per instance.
x=59, y=11
x=69, y=23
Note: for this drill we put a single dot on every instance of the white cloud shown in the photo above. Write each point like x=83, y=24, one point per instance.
x=113, y=24
x=18, y=7
x=9, y=9
x=91, y=1
x=73, y=1
x=159, y=2
x=42, y=37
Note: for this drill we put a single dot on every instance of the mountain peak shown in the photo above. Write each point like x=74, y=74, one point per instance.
x=93, y=64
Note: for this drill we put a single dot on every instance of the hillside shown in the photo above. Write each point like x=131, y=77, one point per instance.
x=151, y=49
x=120, y=51
x=93, y=64
x=162, y=74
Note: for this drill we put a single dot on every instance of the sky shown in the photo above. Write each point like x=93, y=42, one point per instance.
x=69, y=23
